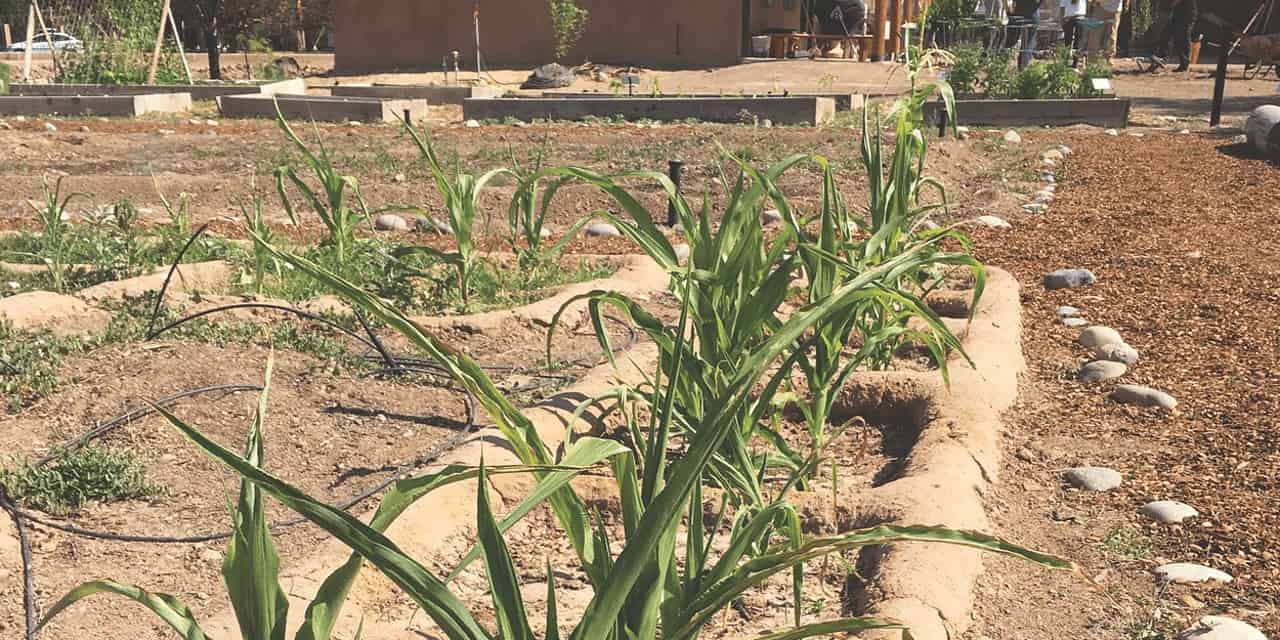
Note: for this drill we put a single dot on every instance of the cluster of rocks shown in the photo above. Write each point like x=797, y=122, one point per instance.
x=1110, y=358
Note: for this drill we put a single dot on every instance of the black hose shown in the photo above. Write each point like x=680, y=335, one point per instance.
x=155, y=311
x=28, y=576
x=264, y=305
x=112, y=424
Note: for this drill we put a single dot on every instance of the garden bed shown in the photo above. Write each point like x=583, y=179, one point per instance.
x=127, y=106
x=779, y=110
x=1111, y=113
x=322, y=108
x=201, y=91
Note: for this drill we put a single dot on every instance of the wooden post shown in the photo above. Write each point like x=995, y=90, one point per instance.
x=895, y=33
x=31, y=36
x=8, y=36
x=182, y=51
x=48, y=37
x=877, y=30
x=155, y=55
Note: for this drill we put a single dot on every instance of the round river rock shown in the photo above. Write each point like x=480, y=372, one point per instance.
x=1095, y=337
x=1117, y=352
x=1094, y=478
x=1101, y=371
x=390, y=222
x=1143, y=396
x=1221, y=628
x=602, y=230
x=1168, y=511
x=1190, y=573
x=1069, y=279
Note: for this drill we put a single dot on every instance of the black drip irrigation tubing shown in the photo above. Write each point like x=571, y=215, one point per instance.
x=118, y=421
x=28, y=576
x=306, y=315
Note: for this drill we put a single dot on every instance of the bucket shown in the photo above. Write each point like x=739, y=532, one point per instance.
x=760, y=46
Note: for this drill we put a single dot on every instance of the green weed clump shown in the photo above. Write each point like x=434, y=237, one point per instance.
x=73, y=478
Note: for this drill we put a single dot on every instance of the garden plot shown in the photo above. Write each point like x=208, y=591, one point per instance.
x=130, y=106
x=645, y=326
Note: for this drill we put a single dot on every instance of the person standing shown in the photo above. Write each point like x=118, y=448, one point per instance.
x=1182, y=19
x=1073, y=13
x=1024, y=20
x=1104, y=39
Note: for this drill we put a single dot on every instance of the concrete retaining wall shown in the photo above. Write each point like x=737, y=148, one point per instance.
x=197, y=91
x=779, y=110
x=94, y=105
x=844, y=101
x=1100, y=112
x=322, y=108
x=433, y=94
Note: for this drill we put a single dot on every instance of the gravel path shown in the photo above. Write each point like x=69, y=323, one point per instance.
x=1180, y=232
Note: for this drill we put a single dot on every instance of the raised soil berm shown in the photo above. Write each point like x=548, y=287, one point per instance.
x=844, y=101
x=779, y=110
x=197, y=91
x=128, y=106
x=433, y=94
x=1112, y=113
x=322, y=108
x=953, y=459
x=953, y=462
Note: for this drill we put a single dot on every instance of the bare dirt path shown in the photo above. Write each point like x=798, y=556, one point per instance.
x=1176, y=228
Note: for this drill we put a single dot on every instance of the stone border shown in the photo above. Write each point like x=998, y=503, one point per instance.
x=950, y=468
x=741, y=110
x=127, y=105
x=197, y=91
x=1111, y=113
x=321, y=108
x=433, y=94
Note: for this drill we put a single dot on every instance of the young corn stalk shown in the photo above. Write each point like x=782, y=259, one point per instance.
x=263, y=261
x=339, y=218
x=461, y=196
x=528, y=211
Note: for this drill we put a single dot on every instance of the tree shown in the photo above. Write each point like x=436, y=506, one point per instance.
x=568, y=21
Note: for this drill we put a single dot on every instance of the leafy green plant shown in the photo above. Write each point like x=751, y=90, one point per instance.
x=78, y=476
x=1096, y=67
x=966, y=73
x=568, y=22
x=6, y=76
x=55, y=241
x=461, y=193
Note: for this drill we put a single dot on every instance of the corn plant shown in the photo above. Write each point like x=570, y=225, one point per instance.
x=55, y=233
x=252, y=217
x=331, y=206
x=461, y=195
x=528, y=211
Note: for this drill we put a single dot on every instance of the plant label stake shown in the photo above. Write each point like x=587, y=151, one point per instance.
x=942, y=117
x=1219, y=86
x=673, y=171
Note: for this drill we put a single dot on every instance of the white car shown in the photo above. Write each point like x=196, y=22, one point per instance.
x=61, y=42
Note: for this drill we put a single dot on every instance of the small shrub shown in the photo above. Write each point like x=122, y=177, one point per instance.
x=76, y=477
x=6, y=75
x=568, y=21
x=966, y=74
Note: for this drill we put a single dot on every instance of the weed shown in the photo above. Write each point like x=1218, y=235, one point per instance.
x=1127, y=543
x=78, y=476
